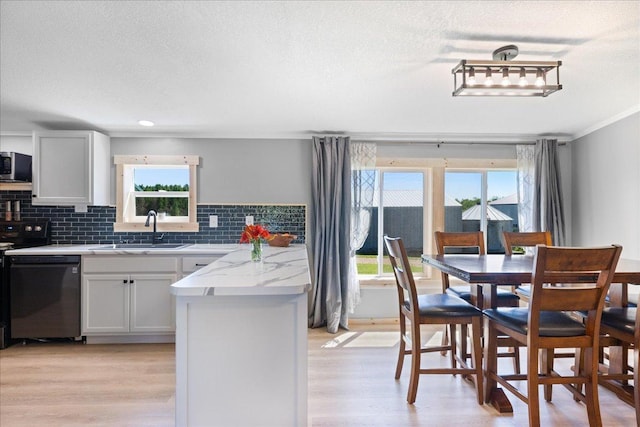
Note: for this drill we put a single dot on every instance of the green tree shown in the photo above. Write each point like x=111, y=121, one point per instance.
x=174, y=206
x=468, y=203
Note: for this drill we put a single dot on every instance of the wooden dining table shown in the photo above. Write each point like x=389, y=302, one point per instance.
x=486, y=272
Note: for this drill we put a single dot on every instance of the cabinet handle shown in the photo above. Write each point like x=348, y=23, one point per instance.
x=131, y=281
x=124, y=281
x=201, y=265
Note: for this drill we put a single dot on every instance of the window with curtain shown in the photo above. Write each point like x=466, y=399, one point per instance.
x=402, y=207
x=398, y=210
x=482, y=200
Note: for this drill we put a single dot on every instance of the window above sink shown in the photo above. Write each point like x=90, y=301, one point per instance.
x=165, y=184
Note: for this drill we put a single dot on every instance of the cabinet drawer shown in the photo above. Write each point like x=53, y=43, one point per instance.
x=130, y=264
x=191, y=264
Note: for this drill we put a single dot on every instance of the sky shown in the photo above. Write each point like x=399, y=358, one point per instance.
x=459, y=185
x=166, y=176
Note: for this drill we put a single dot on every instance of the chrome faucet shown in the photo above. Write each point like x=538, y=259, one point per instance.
x=153, y=214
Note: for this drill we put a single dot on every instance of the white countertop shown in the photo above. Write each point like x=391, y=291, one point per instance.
x=283, y=271
x=103, y=249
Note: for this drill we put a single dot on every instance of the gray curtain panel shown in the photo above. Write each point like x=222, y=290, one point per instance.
x=548, y=211
x=330, y=227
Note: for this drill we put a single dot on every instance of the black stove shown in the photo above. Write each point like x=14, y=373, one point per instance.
x=16, y=235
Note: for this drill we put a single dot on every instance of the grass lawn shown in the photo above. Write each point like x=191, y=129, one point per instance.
x=368, y=264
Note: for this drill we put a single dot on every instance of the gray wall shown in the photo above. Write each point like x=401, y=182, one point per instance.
x=606, y=187
x=237, y=171
x=234, y=171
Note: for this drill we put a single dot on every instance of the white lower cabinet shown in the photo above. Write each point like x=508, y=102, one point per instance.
x=128, y=295
x=105, y=303
x=153, y=308
x=120, y=303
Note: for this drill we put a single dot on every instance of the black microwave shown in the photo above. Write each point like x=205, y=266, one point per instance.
x=15, y=167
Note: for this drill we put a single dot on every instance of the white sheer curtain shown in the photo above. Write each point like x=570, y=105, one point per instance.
x=526, y=157
x=363, y=162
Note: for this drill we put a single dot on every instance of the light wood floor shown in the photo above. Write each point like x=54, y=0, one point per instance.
x=350, y=384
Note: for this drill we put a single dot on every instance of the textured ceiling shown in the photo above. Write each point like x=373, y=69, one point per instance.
x=292, y=69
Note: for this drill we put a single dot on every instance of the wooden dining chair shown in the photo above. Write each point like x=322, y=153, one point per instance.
x=526, y=239
x=432, y=309
x=547, y=324
x=472, y=242
x=469, y=242
x=620, y=331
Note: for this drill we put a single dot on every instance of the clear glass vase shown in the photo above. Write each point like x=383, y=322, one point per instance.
x=256, y=250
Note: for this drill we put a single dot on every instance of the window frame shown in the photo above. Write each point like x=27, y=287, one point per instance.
x=122, y=162
x=434, y=197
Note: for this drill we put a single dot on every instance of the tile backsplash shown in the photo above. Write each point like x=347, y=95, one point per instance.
x=96, y=225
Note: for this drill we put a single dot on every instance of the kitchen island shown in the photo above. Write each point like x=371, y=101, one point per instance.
x=241, y=340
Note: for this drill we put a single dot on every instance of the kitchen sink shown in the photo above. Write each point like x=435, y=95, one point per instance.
x=143, y=246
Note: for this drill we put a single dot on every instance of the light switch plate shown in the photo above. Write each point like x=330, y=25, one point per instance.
x=213, y=221
x=248, y=220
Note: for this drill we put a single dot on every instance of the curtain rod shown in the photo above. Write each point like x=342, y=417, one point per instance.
x=445, y=143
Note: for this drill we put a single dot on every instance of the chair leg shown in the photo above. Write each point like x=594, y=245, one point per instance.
x=464, y=351
x=636, y=381
x=533, y=397
x=591, y=387
x=453, y=346
x=490, y=357
x=445, y=340
x=403, y=331
x=416, y=346
x=546, y=365
x=516, y=359
x=476, y=356
x=578, y=368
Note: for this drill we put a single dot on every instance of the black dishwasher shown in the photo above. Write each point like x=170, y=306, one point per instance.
x=44, y=296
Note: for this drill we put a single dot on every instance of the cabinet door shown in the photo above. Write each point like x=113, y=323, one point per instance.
x=152, y=305
x=105, y=303
x=71, y=168
x=62, y=168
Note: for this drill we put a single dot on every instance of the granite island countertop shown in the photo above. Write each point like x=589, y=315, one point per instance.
x=282, y=271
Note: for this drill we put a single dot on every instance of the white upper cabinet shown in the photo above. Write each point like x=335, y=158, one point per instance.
x=71, y=168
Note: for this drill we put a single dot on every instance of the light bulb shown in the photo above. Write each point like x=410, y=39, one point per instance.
x=489, y=79
x=539, y=79
x=505, y=77
x=471, y=81
x=523, y=78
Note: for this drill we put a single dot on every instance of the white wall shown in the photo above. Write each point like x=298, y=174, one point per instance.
x=18, y=143
x=606, y=187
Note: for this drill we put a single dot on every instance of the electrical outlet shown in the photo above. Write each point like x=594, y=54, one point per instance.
x=248, y=220
x=213, y=221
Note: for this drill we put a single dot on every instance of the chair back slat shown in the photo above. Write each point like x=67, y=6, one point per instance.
x=524, y=239
x=469, y=241
x=401, y=270
x=456, y=240
x=570, y=298
x=568, y=266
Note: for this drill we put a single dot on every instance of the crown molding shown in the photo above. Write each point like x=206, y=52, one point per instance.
x=609, y=121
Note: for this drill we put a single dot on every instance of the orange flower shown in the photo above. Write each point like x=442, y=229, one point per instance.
x=254, y=232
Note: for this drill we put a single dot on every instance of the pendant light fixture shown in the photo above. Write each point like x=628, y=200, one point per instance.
x=535, y=78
